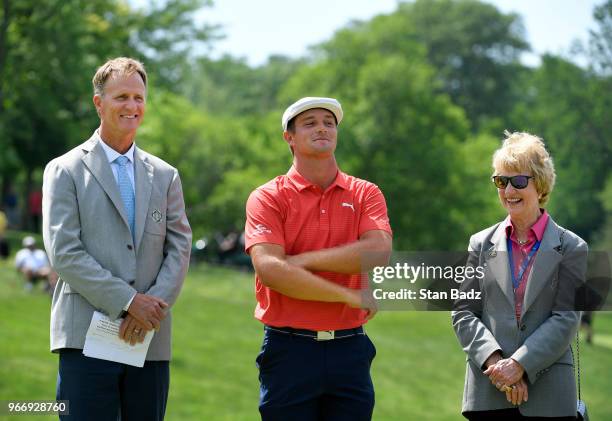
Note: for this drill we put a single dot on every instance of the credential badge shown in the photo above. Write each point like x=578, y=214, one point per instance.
x=157, y=216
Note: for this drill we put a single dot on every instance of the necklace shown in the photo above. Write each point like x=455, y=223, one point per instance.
x=522, y=242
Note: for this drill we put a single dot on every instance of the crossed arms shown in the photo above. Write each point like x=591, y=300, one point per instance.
x=292, y=275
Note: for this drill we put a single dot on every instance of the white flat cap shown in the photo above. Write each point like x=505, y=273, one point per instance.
x=28, y=241
x=309, y=103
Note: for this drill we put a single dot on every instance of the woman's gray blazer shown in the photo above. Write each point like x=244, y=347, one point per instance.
x=541, y=342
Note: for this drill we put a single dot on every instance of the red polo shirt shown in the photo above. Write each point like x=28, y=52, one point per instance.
x=292, y=212
x=520, y=252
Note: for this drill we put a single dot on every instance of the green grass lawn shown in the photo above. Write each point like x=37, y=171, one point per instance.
x=418, y=371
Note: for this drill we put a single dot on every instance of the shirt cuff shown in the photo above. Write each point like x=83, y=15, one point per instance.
x=125, y=307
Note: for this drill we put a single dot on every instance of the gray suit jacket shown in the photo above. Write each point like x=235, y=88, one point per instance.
x=541, y=343
x=88, y=240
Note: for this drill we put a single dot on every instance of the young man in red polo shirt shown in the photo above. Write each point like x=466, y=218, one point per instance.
x=309, y=233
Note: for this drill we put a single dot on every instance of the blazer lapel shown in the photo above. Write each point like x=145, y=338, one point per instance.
x=497, y=259
x=98, y=164
x=143, y=178
x=546, y=260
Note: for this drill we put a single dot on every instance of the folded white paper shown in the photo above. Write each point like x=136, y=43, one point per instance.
x=103, y=342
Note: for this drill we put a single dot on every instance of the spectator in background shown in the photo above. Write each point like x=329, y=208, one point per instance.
x=34, y=265
x=10, y=207
x=35, y=209
x=586, y=323
x=4, y=248
x=229, y=245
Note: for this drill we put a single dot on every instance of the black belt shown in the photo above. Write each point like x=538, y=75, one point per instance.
x=318, y=335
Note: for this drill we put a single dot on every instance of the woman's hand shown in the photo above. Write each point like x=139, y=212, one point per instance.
x=505, y=372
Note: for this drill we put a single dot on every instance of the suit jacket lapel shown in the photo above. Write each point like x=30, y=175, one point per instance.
x=143, y=178
x=98, y=164
x=546, y=260
x=497, y=260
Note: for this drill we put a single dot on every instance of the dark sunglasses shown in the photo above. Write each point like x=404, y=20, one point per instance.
x=517, y=181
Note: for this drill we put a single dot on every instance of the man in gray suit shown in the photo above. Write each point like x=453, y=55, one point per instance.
x=116, y=232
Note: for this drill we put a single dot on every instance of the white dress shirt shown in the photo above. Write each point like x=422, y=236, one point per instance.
x=112, y=154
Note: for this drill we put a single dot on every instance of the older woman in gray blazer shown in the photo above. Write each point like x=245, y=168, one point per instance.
x=517, y=336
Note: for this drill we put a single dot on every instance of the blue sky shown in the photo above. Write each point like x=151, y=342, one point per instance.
x=258, y=28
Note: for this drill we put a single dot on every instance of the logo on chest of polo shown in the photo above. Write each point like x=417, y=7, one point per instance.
x=348, y=205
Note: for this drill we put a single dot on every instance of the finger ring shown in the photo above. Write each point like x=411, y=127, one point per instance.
x=137, y=331
x=506, y=388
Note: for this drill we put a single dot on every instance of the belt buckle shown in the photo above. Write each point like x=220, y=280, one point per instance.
x=325, y=335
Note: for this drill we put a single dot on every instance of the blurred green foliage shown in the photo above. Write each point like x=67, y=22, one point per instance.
x=427, y=92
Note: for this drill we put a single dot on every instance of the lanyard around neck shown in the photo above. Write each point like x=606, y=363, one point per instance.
x=517, y=280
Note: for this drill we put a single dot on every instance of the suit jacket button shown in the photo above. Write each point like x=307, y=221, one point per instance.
x=129, y=246
x=523, y=327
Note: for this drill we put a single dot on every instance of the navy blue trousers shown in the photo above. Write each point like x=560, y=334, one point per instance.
x=306, y=380
x=99, y=390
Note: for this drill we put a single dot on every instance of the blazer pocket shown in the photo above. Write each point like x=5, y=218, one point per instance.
x=153, y=239
x=155, y=230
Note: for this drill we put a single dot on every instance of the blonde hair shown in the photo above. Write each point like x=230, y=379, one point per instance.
x=123, y=66
x=524, y=152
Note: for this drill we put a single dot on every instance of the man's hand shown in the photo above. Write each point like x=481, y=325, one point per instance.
x=362, y=298
x=493, y=359
x=517, y=393
x=505, y=372
x=148, y=310
x=356, y=298
x=132, y=331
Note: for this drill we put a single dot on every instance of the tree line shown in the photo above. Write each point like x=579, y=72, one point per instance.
x=427, y=90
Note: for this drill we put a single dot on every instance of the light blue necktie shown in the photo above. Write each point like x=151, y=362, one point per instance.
x=125, y=190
